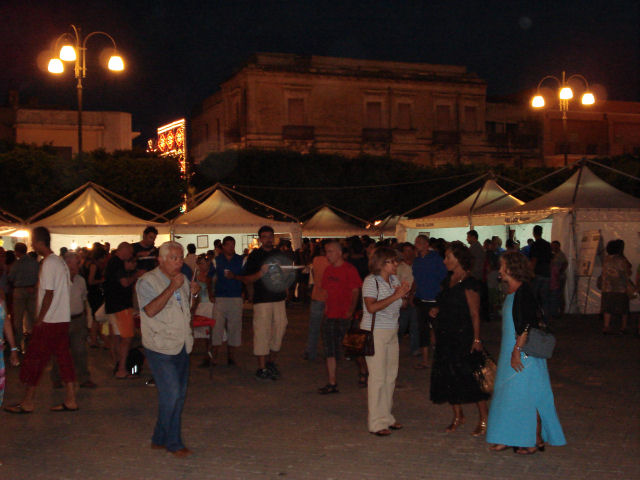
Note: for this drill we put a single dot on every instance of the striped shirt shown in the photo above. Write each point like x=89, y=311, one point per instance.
x=387, y=318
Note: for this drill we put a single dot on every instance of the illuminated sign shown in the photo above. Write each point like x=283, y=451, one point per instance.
x=172, y=140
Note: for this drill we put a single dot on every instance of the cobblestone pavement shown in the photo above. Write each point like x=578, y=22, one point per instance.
x=240, y=428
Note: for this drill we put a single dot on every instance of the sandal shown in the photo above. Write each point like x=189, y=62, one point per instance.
x=457, y=421
x=497, y=447
x=385, y=432
x=329, y=388
x=526, y=451
x=19, y=409
x=396, y=426
x=362, y=380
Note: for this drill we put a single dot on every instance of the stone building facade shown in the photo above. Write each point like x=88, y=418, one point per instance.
x=429, y=114
x=100, y=130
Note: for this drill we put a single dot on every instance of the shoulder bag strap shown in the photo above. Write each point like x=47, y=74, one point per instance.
x=373, y=316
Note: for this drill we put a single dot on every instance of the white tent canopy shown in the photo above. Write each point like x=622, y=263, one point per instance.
x=454, y=222
x=325, y=223
x=220, y=214
x=92, y=217
x=581, y=204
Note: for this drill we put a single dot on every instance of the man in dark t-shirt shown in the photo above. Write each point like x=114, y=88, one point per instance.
x=118, y=295
x=270, y=283
x=540, y=255
x=145, y=250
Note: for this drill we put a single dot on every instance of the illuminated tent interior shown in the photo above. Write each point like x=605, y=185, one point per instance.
x=454, y=222
x=220, y=215
x=93, y=216
x=584, y=202
x=326, y=223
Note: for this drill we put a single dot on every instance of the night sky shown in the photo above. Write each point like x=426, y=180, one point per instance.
x=177, y=52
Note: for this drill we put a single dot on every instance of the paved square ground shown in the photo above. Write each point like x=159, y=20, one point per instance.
x=240, y=428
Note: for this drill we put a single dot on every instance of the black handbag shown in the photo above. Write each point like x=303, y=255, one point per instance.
x=359, y=342
x=540, y=340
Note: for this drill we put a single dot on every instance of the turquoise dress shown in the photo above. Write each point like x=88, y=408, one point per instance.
x=3, y=314
x=517, y=396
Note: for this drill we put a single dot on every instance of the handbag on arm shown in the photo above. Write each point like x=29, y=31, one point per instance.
x=540, y=340
x=359, y=342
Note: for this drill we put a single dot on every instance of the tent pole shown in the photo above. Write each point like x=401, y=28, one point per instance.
x=528, y=184
x=575, y=190
x=535, y=190
x=475, y=200
x=620, y=172
x=106, y=191
x=44, y=210
x=443, y=195
x=228, y=190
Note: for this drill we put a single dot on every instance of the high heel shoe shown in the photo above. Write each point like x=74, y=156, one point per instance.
x=457, y=421
x=480, y=429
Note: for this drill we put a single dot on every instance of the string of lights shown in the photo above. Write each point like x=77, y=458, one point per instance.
x=352, y=187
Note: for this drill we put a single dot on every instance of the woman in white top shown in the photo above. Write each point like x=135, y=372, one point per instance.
x=382, y=295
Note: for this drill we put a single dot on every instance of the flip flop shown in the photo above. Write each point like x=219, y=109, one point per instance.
x=17, y=409
x=63, y=408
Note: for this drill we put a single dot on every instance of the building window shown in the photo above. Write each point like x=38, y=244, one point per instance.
x=470, y=119
x=295, y=111
x=404, y=116
x=373, y=115
x=443, y=117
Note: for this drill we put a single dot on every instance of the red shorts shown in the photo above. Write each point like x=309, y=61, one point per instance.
x=48, y=339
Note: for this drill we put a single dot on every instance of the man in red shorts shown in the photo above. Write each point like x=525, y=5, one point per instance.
x=51, y=329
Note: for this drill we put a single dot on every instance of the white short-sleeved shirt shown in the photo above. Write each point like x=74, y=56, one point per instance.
x=387, y=318
x=78, y=295
x=54, y=275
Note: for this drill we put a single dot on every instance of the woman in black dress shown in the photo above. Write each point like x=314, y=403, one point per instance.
x=458, y=345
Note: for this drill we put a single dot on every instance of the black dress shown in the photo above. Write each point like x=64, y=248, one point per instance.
x=452, y=377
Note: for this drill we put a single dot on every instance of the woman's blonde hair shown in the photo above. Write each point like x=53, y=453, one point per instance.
x=379, y=258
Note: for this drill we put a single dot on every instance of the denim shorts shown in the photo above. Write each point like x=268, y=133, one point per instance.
x=333, y=331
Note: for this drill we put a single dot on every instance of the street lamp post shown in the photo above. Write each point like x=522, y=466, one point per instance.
x=564, y=95
x=76, y=51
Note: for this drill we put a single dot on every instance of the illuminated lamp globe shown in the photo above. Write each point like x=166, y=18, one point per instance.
x=67, y=53
x=566, y=93
x=115, y=63
x=588, y=99
x=537, y=101
x=55, y=66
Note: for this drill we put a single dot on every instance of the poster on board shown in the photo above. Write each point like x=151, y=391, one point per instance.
x=590, y=247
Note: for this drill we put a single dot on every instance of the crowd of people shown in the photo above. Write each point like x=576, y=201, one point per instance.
x=438, y=294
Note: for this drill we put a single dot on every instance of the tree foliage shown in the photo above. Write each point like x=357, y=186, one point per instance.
x=35, y=177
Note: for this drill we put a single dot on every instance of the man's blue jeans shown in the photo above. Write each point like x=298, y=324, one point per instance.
x=171, y=374
x=316, y=313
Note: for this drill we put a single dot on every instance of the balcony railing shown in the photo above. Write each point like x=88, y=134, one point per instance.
x=446, y=137
x=377, y=135
x=298, y=132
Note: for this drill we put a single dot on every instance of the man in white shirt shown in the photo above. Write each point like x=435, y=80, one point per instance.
x=51, y=329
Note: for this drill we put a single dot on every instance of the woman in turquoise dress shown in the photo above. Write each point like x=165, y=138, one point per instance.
x=522, y=413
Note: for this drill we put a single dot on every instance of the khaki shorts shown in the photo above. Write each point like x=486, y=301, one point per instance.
x=269, y=325
x=228, y=314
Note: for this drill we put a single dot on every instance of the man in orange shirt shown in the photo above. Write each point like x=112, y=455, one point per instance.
x=318, y=297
